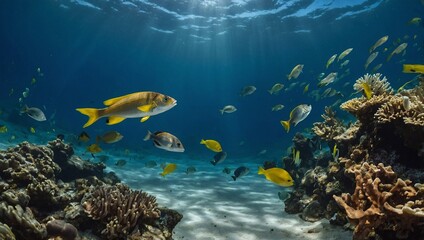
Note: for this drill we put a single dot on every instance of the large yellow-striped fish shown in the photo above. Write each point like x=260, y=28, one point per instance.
x=135, y=105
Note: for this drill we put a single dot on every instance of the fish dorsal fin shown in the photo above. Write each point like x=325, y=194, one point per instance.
x=145, y=118
x=114, y=120
x=115, y=100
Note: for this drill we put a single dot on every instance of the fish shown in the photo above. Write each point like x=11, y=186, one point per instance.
x=219, y=158
x=228, y=109
x=295, y=72
x=32, y=130
x=247, y=90
x=328, y=79
x=150, y=164
x=94, y=148
x=343, y=64
x=278, y=176
x=135, y=105
x=212, y=145
x=370, y=59
x=344, y=54
x=226, y=170
x=191, y=170
x=330, y=60
x=262, y=152
x=276, y=88
x=34, y=113
x=83, y=137
x=169, y=168
x=240, y=171
x=376, y=68
x=397, y=50
x=415, y=21
x=335, y=153
x=408, y=82
x=33, y=81
x=306, y=88
x=296, y=157
x=110, y=137
x=165, y=141
x=277, y=107
x=298, y=114
x=379, y=42
x=366, y=90
x=3, y=129
x=120, y=163
x=413, y=68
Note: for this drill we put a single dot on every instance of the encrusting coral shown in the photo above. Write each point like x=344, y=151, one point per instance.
x=121, y=210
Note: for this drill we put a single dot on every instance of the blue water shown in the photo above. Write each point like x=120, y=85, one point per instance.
x=202, y=53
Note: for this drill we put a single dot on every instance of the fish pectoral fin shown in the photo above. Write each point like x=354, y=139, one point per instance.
x=114, y=120
x=143, y=119
x=147, y=108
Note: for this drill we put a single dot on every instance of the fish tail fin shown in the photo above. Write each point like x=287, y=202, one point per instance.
x=222, y=111
x=162, y=174
x=148, y=136
x=261, y=170
x=92, y=113
x=286, y=125
x=202, y=141
x=270, y=92
x=288, y=77
x=234, y=177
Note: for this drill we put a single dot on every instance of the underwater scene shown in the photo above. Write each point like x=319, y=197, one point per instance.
x=212, y=119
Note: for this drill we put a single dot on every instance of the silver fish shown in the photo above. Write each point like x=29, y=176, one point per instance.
x=247, y=90
x=219, y=158
x=370, y=59
x=379, y=42
x=240, y=171
x=298, y=114
x=34, y=113
x=165, y=141
x=228, y=109
x=327, y=80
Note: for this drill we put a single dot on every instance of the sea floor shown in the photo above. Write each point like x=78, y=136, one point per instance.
x=214, y=206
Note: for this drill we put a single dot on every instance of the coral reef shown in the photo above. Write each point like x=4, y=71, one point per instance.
x=62, y=229
x=330, y=128
x=6, y=233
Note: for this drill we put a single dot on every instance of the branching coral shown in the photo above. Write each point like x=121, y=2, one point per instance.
x=6, y=233
x=382, y=202
x=330, y=128
x=121, y=209
x=378, y=85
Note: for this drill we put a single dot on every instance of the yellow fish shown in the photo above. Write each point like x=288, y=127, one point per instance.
x=367, y=90
x=32, y=130
x=413, y=68
x=3, y=129
x=344, y=54
x=169, y=168
x=135, y=105
x=83, y=137
x=278, y=176
x=94, y=148
x=379, y=42
x=295, y=72
x=331, y=60
x=415, y=21
x=306, y=88
x=212, y=145
x=408, y=82
x=296, y=157
x=335, y=153
x=110, y=137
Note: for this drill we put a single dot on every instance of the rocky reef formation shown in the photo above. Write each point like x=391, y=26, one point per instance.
x=375, y=182
x=47, y=191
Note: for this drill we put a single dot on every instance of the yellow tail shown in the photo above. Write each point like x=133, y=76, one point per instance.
x=286, y=125
x=261, y=170
x=92, y=113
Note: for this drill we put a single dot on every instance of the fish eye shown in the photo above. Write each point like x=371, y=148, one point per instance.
x=165, y=99
x=179, y=144
x=289, y=180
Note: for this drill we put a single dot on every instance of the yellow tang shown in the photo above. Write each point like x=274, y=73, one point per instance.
x=135, y=105
x=367, y=90
x=94, y=148
x=212, y=145
x=278, y=176
x=169, y=168
x=413, y=68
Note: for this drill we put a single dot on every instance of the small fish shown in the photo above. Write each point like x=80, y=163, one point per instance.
x=150, y=164
x=33, y=81
x=404, y=85
x=366, y=90
x=83, y=137
x=34, y=113
x=379, y=42
x=239, y=172
x=276, y=88
x=226, y=170
x=110, y=137
x=345, y=63
x=295, y=72
x=397, y=50
x=298, y=114
x=370, y=59
x=165, y=141
x=191, y=170
x=328, y=79
x=344, y=54
x=228, y=109
x=3, y=129
x=413, y=68
x=262, y=152
x=376, y=68
x=331, y=60
x=219, y=158
x=212, y=145
x=247, y=90
x=32, y=130
x=415, y=21
x=296, y=157
x=25, y=93
x=94, y=148
x=335, y=153
x=306, y=88
x=169, y=168
x=135, y=105
x=277, y=107
x=278, y=176
x=121, y=163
